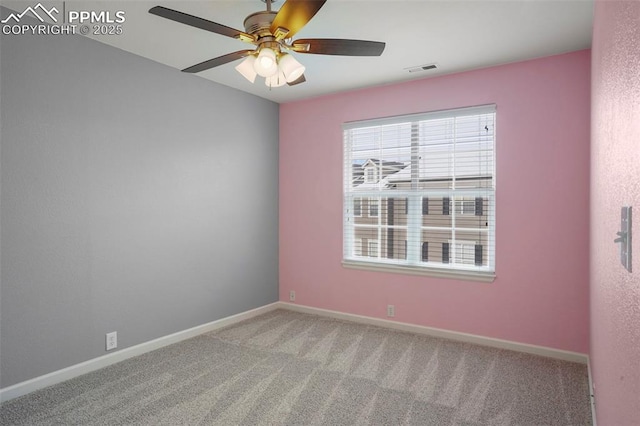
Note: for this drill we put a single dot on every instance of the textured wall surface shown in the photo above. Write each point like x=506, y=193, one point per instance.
x=135, y=199
x=540, y=295
x=615, y=182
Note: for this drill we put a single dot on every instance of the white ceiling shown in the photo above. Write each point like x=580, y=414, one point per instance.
x=456, y=35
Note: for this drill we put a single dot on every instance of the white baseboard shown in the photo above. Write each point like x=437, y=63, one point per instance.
x=592, y=395
x=76, y=370
x=437, y=332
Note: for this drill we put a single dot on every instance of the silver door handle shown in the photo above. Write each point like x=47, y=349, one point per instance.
x=624, y=237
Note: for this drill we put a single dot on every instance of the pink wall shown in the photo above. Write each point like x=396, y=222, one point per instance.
x=615, y=181
x=540, y=295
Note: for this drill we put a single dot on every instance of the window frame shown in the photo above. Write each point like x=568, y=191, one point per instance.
x=415, y=203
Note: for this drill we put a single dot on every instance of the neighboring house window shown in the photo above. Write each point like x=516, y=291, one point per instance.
x=465, y=251
x=466, y=205
x=370, y=175
x=373, y=248
x=357, y=207
x=432, y=206
x=357, y=247
x=373, y=207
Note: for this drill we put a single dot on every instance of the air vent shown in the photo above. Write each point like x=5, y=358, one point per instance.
x=421, y=68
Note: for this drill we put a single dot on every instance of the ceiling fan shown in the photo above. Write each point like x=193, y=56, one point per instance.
x=272, y=32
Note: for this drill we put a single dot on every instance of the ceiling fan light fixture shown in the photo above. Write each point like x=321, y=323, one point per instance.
x=246, y=68
x=272, y=32
x=276, y=80
x=266, y=64
x=290, y=67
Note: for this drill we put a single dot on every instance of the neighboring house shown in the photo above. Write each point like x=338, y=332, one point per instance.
x=380, y=229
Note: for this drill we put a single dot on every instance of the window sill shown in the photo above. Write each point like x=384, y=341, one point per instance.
x=486, y=277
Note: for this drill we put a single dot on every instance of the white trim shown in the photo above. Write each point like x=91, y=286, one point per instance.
x=592, y=395
x=455, y=112
x=456, y=274
x=76, y=370
x=446, y=334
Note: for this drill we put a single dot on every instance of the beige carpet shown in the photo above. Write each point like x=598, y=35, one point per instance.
x=286, y=368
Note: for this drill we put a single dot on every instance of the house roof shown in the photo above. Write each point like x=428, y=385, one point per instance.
x=395, y=172
x=377, y=162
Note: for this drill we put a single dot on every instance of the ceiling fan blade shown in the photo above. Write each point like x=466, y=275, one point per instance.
x=201, y=23
x=220, y=60
x=336, y=46
x=299, y=80
x=293, y=15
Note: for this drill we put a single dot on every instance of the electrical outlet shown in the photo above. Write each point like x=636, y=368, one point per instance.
x=112, y=340
x=292, y=296
x=391, y=311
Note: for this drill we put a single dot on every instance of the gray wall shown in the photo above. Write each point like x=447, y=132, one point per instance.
x=135, y=198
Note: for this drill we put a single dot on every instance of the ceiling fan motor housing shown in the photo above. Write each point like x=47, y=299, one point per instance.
x=259, y=23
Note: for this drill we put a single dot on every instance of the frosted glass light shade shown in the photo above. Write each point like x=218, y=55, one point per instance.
x=246, y=68
x=265, y=65
x=276, y=80
x=291, y=68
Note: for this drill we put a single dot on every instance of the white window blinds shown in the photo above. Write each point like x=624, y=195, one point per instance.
x=419, y=190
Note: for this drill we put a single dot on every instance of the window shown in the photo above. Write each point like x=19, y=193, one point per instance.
x=431, y=194
x=357, y=207
x=373, y=248
x=373, y=207
x=465, y=251
x=370, y=175
x=469, y=205
x=357, y=247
